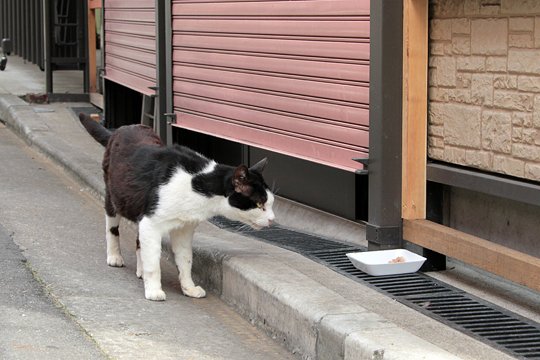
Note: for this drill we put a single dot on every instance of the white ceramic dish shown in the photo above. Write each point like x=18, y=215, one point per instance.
x=377, y=263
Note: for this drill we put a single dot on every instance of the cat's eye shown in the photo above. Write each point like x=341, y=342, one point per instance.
x=260, y=205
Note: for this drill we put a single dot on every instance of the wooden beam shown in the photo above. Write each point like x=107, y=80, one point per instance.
x=94, y=4
x=415, y=74
x=508, y=263
x=92, y=47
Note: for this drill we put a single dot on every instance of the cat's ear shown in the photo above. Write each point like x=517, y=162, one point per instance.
x=260, y=166
x=240, y=181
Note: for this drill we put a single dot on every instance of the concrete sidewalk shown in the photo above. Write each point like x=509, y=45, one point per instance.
x=309, y=308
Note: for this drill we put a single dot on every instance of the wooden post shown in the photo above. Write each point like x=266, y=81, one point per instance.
x=92, y=46
x=95, y=98
x=415, y=67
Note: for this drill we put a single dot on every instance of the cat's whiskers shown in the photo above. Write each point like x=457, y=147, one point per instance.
x=243, y=227
x=274, y=188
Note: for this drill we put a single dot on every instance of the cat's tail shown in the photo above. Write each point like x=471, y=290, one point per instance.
x=98, y=132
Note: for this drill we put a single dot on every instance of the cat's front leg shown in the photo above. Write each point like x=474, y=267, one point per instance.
x=150, y=240
x=181, y=243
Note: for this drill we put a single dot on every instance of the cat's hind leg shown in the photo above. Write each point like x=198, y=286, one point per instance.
x=150, y=255
x=112, y=235
x=139, y=260
x=181, y=242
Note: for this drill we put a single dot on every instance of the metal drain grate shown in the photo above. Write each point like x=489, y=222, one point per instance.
x=487, y=322
x=291, y=240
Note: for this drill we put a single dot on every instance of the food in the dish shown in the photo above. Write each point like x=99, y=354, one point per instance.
x=399, y=259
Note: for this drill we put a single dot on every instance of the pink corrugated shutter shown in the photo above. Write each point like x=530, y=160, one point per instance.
x=288, y=76
x=130, y=43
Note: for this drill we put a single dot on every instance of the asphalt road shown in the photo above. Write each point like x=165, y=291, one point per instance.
x=32, y=327
x=59, y=299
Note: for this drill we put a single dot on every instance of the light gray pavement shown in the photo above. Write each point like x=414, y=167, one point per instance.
x=32, y=327
x=310, y=309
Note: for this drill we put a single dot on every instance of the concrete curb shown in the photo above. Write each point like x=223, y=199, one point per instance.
x=306, y=317
x=310, y=319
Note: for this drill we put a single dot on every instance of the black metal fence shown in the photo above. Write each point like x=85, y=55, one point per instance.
x=65, y=24
x=22, y=22
x=48, y=33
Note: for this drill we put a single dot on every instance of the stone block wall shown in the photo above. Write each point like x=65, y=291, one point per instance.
x=484, y=85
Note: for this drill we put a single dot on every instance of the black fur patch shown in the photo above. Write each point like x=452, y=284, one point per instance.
x=220, y=183
x=248, y=202
x=109, y=207
x=114, y=230
x=190, y=160
x=215, y=183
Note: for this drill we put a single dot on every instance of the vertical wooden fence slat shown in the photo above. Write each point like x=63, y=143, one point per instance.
x=415, y=57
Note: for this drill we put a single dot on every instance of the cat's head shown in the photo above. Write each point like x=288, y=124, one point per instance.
x=251, y=201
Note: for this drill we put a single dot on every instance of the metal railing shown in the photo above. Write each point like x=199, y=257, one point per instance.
x=22, y=22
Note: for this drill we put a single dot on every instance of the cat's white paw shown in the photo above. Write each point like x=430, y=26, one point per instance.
x=115, y=260
x=194, y=292
x=155, y=295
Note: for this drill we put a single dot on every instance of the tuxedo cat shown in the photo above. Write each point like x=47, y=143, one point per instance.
x=170, y=190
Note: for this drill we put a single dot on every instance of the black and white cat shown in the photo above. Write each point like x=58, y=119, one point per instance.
x=169, y=191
